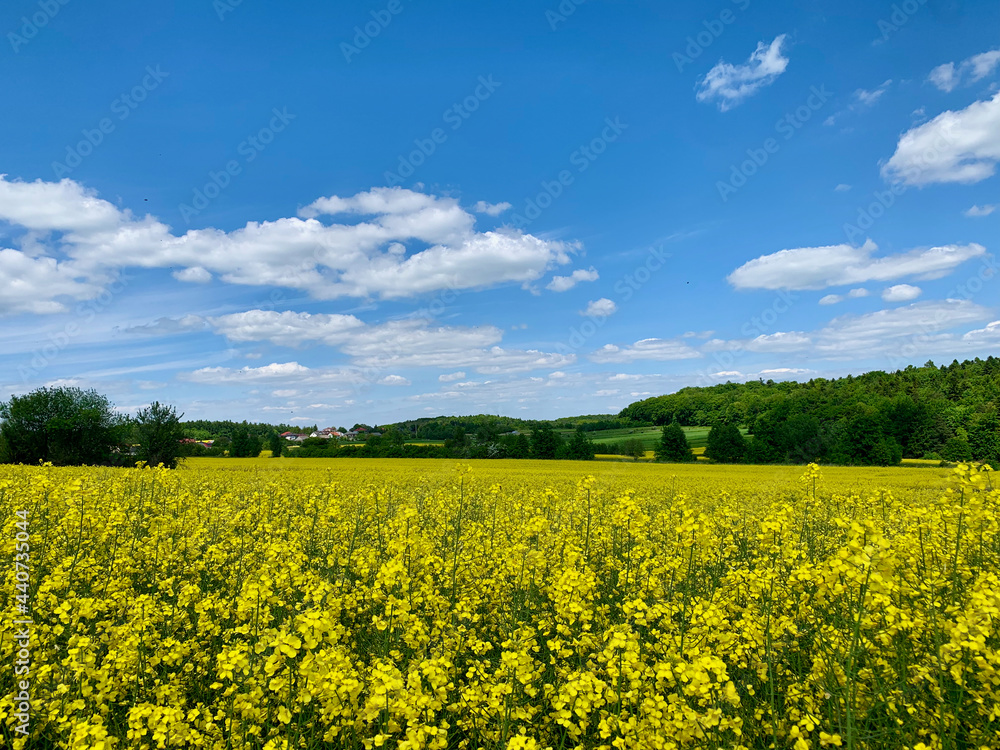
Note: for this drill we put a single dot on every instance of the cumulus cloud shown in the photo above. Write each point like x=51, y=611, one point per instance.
x=645, y=349
x=37, y=285
x=600, y=308
x=835, y=265
x=843, y=187
x=901, y=293
x=962, y=146
x=949, y=75
x=394, y=243
x=984, y=210
x=831, y=299
x=565, y=283
x=729, y=84
x=451, y=377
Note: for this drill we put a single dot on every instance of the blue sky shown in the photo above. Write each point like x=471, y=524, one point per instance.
x=385, y=210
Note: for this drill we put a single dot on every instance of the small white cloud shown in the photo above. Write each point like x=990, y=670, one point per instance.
x=557, y=375
x=600, y=308
x=451, y=377
x=831, y=299
x=944, y=76
x=491, y=209
x=901, y=293
x=625, y=376
x=842, y=188
x=868, y=98
x=565, y=283
x=394, y=380
x=984, y=210
x=949, y=75
x=858, y=293
x=193, y=275
x=730, y=84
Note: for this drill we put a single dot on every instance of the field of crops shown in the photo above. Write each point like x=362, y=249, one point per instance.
x=307, y=603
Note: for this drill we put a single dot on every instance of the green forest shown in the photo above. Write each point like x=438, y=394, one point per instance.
x=947, y=412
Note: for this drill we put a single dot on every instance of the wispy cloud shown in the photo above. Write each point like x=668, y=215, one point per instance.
x=728, y=84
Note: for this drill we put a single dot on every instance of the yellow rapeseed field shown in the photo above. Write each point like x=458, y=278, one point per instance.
x=510, y=604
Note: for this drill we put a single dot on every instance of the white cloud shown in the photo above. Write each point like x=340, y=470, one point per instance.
x=858, y=293
x=962, y=146
x=394, y=380
x=195, y=275
x=944, y=76
x=879, y=332
x=842, y=187
x=624, y=376
x=600, y=308
x=565, y=283
x=834, y=265
x=652, y=349
x=868, y=98
x=831, y=299
x=396, y=243
x=990, y=335
x=394, y=344
x=901, y=293
x=786, y=371
x=782, y=341
x=276, y=371
x=730, y=84
x=947, y=76
x=491, y=209
x=451, y=377
x=35, y=285
x=984, y=210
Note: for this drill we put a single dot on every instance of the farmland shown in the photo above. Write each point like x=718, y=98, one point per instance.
x=277, y=603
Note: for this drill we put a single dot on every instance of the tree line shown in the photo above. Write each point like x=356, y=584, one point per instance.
x=941, y=413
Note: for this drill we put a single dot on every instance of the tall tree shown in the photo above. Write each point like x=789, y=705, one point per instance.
x=158, y=431
x=545, y=442
x=66, y=426
x=276, y=444
x=673, y=446
x=726, y=444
